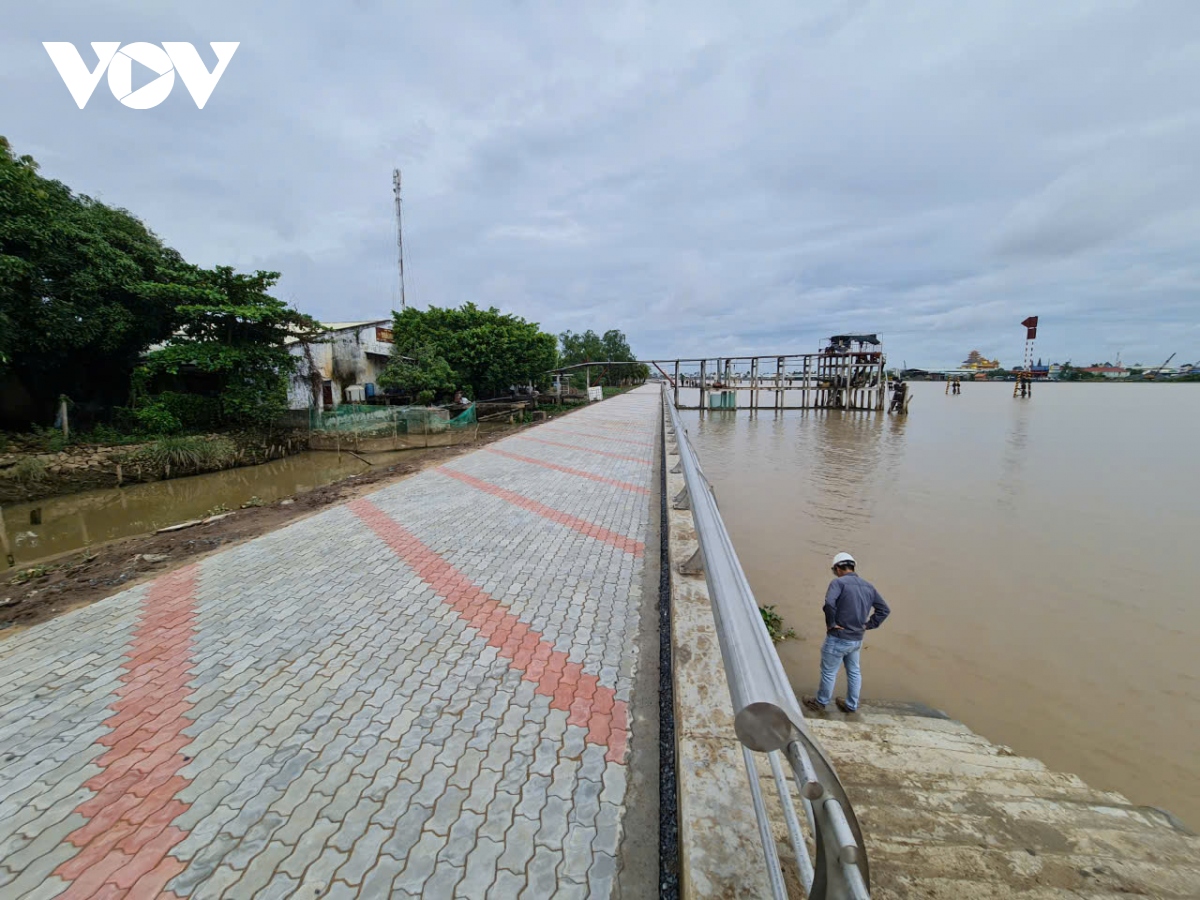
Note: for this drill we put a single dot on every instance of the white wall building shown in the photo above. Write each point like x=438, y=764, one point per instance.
x=342, y=367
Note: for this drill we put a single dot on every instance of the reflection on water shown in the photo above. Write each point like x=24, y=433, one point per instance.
x=1039, y=556
x=75, y=521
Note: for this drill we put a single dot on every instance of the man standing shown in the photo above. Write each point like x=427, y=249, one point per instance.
x=852, y=607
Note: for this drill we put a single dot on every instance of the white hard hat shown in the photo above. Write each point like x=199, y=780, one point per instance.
x=842, y=558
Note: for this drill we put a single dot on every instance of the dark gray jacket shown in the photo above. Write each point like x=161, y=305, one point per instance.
x=849, y=602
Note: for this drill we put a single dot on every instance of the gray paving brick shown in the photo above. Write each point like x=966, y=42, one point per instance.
x=363, y=855
x=506, y=886
x=542, y=873
x=344, y=716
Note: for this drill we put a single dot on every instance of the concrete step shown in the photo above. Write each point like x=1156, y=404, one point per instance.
x=1002, y=784
x=1022, y=870
x=928, y=746
x=904, y=887
x=906, y=735
x=1072, y=836
x=865, y=717
x=1057, y=813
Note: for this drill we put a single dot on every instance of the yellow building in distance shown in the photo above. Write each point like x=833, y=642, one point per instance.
x=976, y=362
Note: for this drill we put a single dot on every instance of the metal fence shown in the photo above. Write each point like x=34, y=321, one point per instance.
x=377, y=420
x=767, y=716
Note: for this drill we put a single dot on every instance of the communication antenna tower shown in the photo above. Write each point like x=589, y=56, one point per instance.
x=399, y=233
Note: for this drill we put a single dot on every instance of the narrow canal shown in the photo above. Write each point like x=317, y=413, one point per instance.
x=79, y=520
x=1039, y=557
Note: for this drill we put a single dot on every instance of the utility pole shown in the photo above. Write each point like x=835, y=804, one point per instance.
x=399, y=233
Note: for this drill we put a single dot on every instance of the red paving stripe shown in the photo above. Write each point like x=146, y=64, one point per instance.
x=590, y=704
x=599, y=532
x=123, y=846
x=636, y=459
x=624, y=485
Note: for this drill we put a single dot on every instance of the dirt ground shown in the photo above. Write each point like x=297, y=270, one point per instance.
x=30, y=596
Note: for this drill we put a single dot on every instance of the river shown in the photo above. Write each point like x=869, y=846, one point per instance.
x=1038, y=556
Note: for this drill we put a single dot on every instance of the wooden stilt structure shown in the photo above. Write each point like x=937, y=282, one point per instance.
x=848, y=373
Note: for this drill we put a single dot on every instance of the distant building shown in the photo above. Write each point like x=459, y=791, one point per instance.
x=1108, y=370
x=976, y=362
x=1161, y=371
x=342, y=367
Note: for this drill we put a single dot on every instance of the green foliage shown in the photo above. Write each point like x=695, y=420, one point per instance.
x=421, y=374
x=74, y=311
x=484, y=350
x=27, y=575
x=184, y=455
x=195, y=412
x=230, y=339
x=613, y=347
x=774, y=623
x=109, y=436
x=157, y=419
x=48, y=440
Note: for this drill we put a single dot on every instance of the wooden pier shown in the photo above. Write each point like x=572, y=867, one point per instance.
x=849, y=373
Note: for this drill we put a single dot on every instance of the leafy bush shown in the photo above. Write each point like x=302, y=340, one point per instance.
x=425, y=398
x=155, y=418
x=774, y=623
x=195, y=412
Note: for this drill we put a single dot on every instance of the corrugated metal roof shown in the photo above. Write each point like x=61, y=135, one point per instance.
x=345, y=326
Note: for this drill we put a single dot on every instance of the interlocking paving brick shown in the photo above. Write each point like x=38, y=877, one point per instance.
x=423, y=691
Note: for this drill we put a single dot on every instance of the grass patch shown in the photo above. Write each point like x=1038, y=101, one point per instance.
x=28, y=471
x=185, y=455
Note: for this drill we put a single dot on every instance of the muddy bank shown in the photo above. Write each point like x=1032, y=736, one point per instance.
x=28, y=474
x=58, y=585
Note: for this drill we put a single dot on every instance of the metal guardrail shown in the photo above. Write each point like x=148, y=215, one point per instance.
x=767, y=716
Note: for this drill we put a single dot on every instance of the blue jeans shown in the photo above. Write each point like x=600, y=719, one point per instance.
x=834, y=652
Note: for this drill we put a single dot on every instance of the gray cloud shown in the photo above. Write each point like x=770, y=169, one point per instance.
x=707, y=177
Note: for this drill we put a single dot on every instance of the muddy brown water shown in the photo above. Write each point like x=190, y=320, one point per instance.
x=1040, y=557
x=78, y=520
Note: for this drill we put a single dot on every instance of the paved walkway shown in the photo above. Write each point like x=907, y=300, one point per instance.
x=425, y=691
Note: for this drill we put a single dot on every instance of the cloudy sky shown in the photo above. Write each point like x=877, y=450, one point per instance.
x=708, y=177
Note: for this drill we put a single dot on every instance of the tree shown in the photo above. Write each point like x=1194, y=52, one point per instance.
x=613, y=347
x=486, y=350
x=74, y=317
x=230, y=343
x=424, y=376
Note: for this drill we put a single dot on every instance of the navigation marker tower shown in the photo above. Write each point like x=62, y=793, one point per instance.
x=1024, y=382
